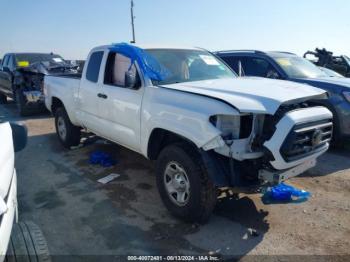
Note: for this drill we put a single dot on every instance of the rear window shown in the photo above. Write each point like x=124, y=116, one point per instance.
x=94, y=65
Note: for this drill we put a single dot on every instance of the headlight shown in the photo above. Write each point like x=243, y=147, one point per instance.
x=233, y=126
x=347, y=95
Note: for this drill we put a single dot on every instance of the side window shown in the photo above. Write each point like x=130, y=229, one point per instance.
x=94, y=66
x=258, y=67
x=232, y=61
x=116, y=68
x=11, y=63
x=4, y=62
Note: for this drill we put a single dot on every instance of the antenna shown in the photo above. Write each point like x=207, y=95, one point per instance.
x=132, y=22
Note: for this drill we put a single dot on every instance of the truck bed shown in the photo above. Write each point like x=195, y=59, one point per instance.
x=64, y=87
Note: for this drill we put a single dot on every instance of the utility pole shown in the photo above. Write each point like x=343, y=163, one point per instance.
x=132, y=22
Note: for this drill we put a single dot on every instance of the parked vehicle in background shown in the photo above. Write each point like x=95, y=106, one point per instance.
x=288, y=66
x=22, y=75
x=21, y=241
x=330, y=72
x=324, y=58
x=186, y=109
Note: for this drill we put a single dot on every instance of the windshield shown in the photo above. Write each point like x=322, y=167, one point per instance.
x=330, y=72
x=34, y=58
x=298, y=67
x=190, y=65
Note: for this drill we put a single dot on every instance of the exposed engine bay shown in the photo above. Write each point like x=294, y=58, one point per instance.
x=269, y=149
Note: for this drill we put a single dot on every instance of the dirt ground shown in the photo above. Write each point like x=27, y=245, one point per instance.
x=58, y=189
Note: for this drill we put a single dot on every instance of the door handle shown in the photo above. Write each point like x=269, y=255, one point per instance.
x=102, y=96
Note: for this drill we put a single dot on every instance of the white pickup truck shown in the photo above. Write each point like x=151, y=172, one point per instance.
x=185, y=108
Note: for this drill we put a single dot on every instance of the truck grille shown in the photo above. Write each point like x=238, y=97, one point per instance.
x=306, y=139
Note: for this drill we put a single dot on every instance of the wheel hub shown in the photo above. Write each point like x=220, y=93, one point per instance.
x=61, y=128
x=177, y=183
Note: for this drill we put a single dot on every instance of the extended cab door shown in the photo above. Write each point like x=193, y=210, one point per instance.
x=90, y=86
x=120, y=106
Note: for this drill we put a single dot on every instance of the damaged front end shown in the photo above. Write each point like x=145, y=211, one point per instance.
x=29, y=83
x=256, y=149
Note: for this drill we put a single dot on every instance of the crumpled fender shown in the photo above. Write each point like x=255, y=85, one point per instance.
x=182, y=113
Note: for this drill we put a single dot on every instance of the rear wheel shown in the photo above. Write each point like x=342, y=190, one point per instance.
x=3, y=99
x=67, y=133
x=184, y=185
x=27, y=244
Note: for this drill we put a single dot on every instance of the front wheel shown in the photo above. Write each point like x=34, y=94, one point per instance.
x=67, y=133
x=184, y=185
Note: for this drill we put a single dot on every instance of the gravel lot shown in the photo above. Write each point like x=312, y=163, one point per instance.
x=58, y=190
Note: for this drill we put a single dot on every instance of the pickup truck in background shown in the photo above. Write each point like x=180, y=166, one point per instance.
x=22, y=75
x=184, y=108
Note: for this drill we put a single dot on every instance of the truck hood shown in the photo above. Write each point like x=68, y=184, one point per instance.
x=251, y=95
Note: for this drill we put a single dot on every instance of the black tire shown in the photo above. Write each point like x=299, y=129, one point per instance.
x=22, y=108
x=3, y=99
x=73, y=133
x=337, y=139
x=203, y=194
x=27, y=243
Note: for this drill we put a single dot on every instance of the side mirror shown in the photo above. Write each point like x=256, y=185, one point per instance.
x=131, y=80
x=19, y=136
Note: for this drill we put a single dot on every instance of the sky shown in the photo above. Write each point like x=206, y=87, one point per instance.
x=72, y=27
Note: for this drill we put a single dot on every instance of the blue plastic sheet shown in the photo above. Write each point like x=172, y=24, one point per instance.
x=285, y=193
x=101, y=158
x=147, y=63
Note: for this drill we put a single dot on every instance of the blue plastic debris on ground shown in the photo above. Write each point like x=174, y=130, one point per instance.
x=283, y=193
x=148, y=64
x=101, y=158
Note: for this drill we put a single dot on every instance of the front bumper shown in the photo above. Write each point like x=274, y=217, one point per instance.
x=8, y=218
x=286, y=125
x=274, y=177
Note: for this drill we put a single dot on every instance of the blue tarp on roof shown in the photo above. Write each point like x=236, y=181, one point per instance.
x=147, y=63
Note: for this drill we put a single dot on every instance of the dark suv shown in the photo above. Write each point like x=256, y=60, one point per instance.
x=288, y=66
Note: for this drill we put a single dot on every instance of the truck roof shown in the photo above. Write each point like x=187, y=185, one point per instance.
x=30, y=53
